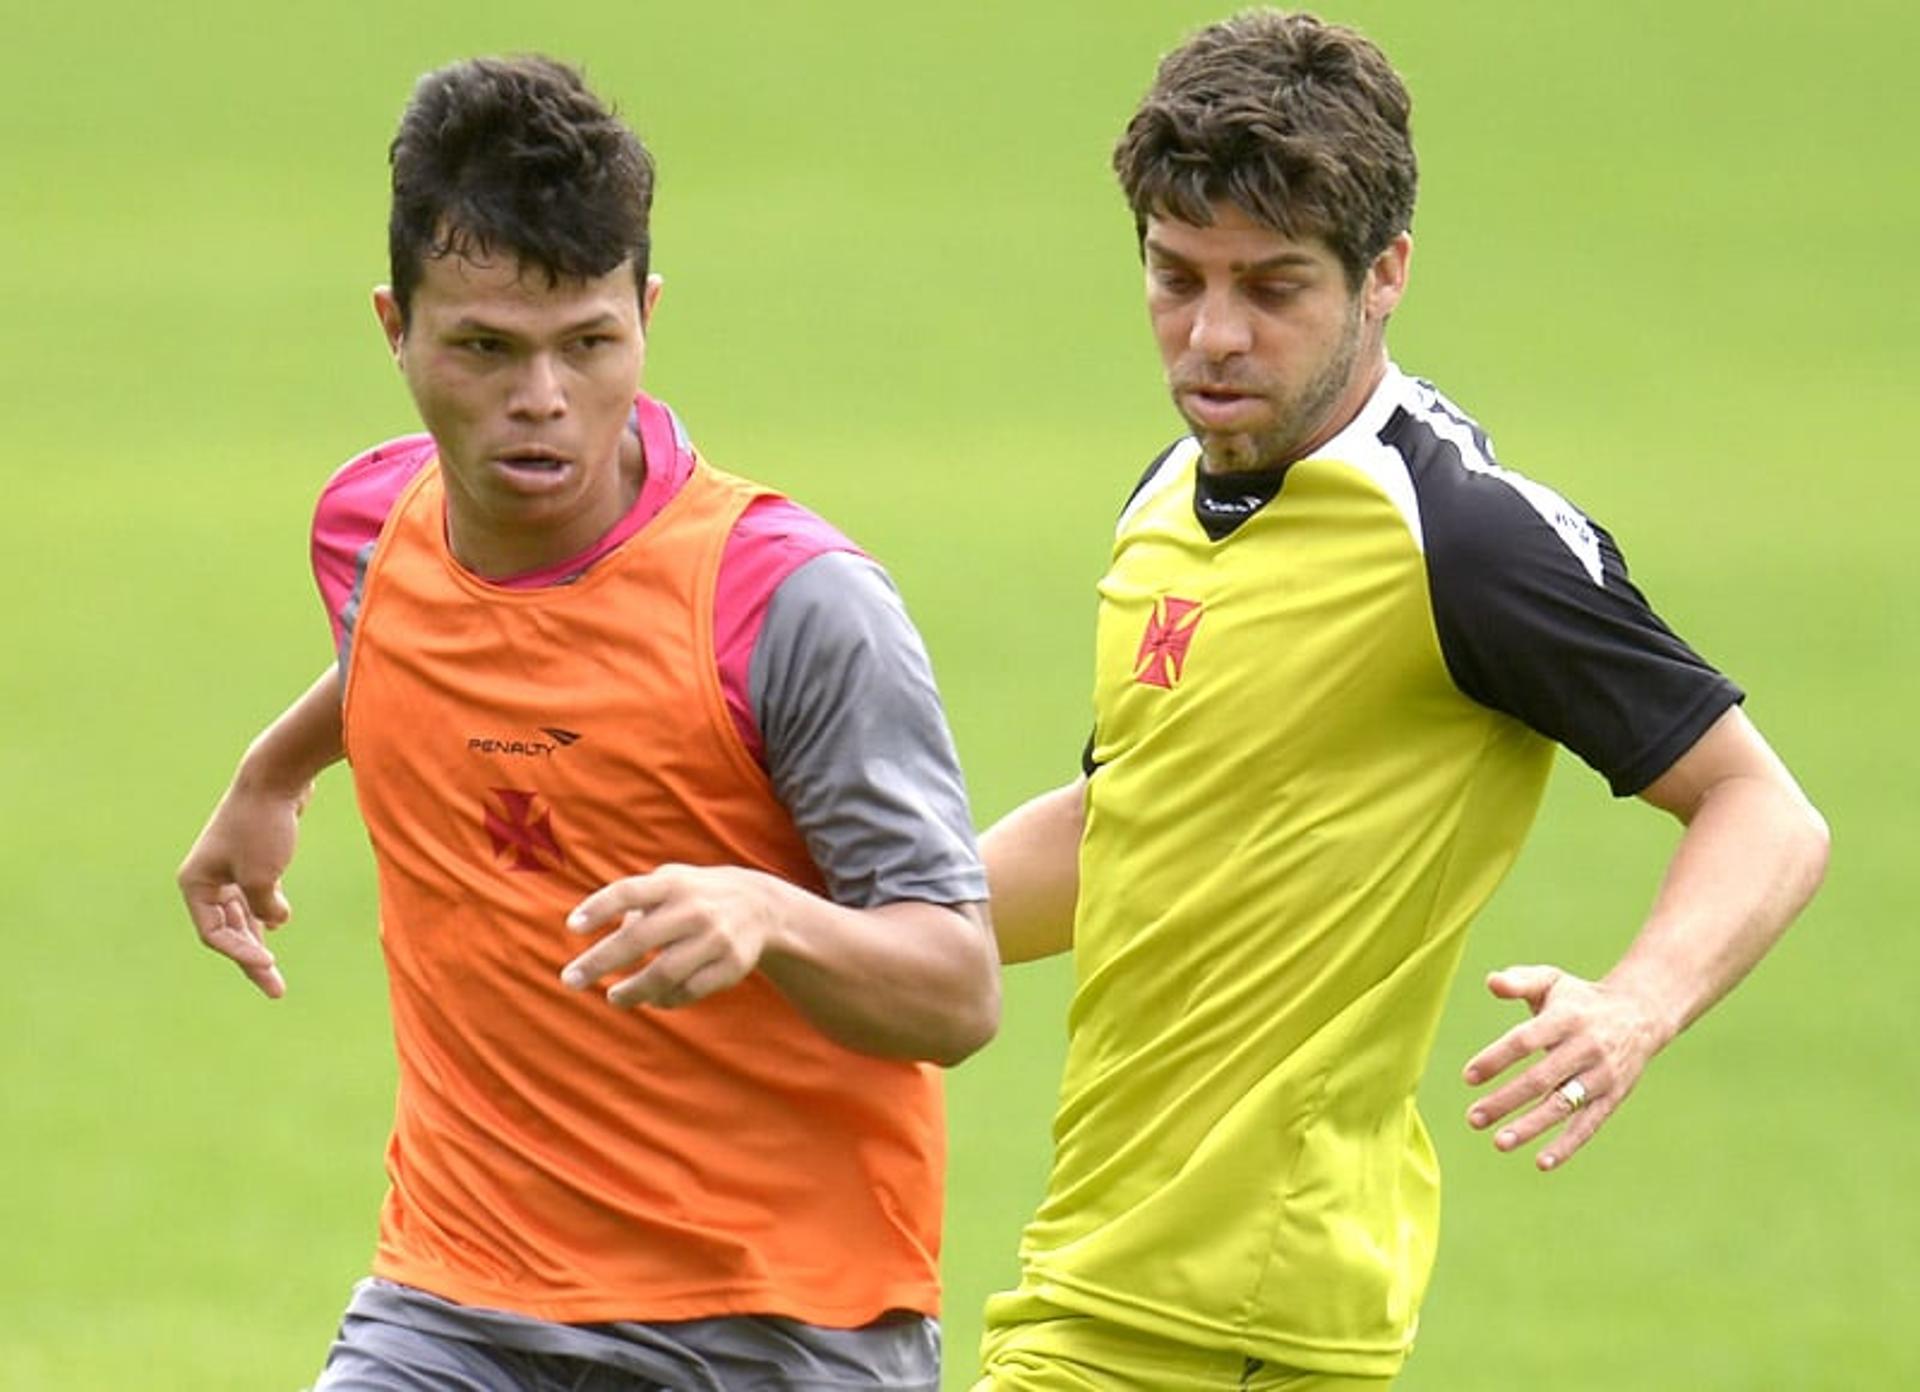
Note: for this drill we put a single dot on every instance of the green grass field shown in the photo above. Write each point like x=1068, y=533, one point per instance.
x=1663, y=253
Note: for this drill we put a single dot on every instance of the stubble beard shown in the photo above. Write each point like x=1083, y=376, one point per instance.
x=1299, y=420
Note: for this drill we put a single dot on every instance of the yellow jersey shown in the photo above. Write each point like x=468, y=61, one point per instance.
x=1325, y=709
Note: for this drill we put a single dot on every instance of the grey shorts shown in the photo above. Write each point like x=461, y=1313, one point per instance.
x=397, y=1339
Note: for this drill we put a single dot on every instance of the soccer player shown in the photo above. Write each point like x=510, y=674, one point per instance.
x=679, y=898
x=1336, y=647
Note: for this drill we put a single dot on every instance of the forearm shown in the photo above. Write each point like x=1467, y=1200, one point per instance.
x=1033, y=869
x=230, y=879
x=285, y=758
x=903, y=980
x=1753, y=853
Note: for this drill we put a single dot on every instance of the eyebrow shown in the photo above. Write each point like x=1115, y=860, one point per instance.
x=1283, y=261
x=468, y=323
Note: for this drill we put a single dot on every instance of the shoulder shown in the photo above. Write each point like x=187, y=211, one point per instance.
x=772, y=539
x=1474, y=513
x=1535, y=610
x=1496, y=541
x=352, y=509
x=355, y=501
x=856, y=742
x=837, y=597
x=776, y=523
x=834, y=621
x=834, y=633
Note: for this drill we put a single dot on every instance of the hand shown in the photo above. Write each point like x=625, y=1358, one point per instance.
x=691, y=930
x=1585, y=1030
x=230, y=880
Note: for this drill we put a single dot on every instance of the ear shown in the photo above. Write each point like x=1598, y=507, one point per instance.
x=1387, y=277
x=648, y=299
x=392, y=323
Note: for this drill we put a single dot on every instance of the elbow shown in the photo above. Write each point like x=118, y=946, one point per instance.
x=1816, y=840
x=973, y=1021
x=1791, y=840
x=1802, y=847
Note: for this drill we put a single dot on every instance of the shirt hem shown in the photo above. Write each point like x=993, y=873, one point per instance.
x=1644, y=770
x=1275, y=1346
x=707, y=1303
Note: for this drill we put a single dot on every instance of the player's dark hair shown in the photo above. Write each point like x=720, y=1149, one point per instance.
x=1301, y=124
x=515, y=155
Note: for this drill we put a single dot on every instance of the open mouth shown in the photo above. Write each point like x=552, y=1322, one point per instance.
x=1219, y=406
x=531, y=470
x=532, y=461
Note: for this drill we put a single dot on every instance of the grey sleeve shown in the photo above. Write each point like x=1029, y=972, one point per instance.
x=856, y=741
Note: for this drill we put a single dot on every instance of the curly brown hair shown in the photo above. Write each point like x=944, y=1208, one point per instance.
x=1302, y=124
x=516, y=155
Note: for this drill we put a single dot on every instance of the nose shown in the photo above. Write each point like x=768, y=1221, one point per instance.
x=1221, y=328
x=538, y=392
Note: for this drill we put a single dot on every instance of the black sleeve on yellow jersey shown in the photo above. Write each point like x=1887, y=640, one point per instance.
x=1527, y=627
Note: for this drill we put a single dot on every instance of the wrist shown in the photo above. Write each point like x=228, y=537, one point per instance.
x=782, y=905
x=1662, y=1016
x=263, y=774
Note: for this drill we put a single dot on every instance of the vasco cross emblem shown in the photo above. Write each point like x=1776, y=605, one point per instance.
x=1163, y=648
x=522, y=830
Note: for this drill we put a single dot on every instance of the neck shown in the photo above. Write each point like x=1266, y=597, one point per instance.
x=1351, y=402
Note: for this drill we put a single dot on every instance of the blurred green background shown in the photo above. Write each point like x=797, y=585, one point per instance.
x=1664, y=253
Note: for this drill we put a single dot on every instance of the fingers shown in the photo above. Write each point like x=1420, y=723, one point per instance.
x=1526, y=1102
x=1516, y=1044
x=242, y=940
x=688, y=972
x=272, y=985
x=1536, y=1036
x=612, y=901
x=683, y=957
x=1577, y=1101
x=1531, y=1100
x=1578, y=1058
x=633, y=939
x=267, y=903
x=1579, y=1129
x=1530, y=984
x=226, y=926
x=230, y=879
x=624, y=904
x=690, y=933
x=1579, y=1112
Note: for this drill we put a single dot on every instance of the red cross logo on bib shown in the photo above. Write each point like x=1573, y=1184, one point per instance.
x=520, y=829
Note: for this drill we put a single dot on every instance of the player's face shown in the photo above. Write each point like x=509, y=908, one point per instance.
x=1268, y=351
x=527, y=389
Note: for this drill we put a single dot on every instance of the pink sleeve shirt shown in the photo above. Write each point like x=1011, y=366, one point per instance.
x=774, y=538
